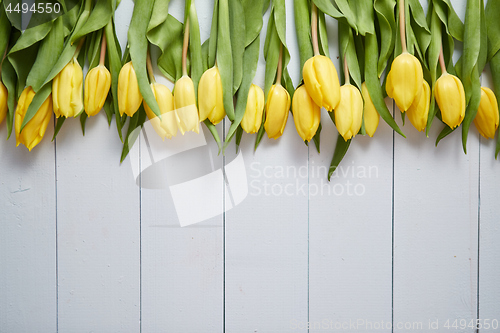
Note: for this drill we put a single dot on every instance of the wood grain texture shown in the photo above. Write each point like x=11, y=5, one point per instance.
x=28, y=296
x=98, y=231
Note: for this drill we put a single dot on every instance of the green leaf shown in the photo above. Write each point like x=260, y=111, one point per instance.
x=139, y=48
x=373, y=82
x=250, y=62
x=5, y=29
x=133, y=131
x=387, y=26
x=492, y=13
x=115, y=65
x=9, y=80
x=238, y=41
x=48, y=53
x=365, y=20
x=59, y=122
x=253, y=19
x=195, y=48
x=338, y=155
x=303, y=30
x=100, y=16
x=224, y=57
x=348, y=50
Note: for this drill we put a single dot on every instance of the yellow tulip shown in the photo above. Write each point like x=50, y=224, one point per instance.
x=349, y=112
x=405, y=80
x=450, y=97
x=277, y=109
x=486, y=120
x=129, y=96
x=306, y=114
x=67, y=89
x=167, y=125
x=3, y=102
x=252, y=119
x=322, y=82
x=370, y=113
x=185, y=105
x=210, y=98
x=419, y=109
x=97, y=84
x=34, y=130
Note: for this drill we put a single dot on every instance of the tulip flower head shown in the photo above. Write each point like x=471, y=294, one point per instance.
x=450, y=97
x=129, y=95
x=67, y=90
x=306, y=114
x=487, y=116
x=167, y=125
x=35, y=129
x=185, y=105
x=3, y=102
x=349, y=112
x=370, y=114
x=252, y=119
x=97, y=84
x=322, y=82
x=419, y=109
x=210, y=99
x=405, y=80
x=277, y=109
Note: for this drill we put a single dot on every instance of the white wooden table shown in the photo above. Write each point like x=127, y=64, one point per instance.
x=405, y=235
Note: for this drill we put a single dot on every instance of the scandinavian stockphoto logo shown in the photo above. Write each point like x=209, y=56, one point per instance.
x=188, y=166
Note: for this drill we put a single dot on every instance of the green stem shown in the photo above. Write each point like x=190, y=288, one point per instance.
x=103, y=50
x=402, y=28
x=441, y=62
x=314, y=28
x=149, y=66
x=280, y=65
x=185, y=47
x=346, y=71
x=79, y=47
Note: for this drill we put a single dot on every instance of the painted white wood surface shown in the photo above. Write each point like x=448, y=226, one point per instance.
x=28, y=292
x=271, y=263
x=98, y=224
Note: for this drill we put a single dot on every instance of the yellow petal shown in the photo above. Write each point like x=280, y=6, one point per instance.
x=129, y=95
x=306, y=114
x=277, y=109
x=185, y=105
x=349, y=112
x=450, y=97
x=322, y=82
x=404, y=80
x=252, y=119
x=3, y=102
x=419, y=109
x=370, y=114
x=487, y=116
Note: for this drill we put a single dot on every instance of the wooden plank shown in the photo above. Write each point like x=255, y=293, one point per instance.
x=27, y=236
x=98, y=231
x=435, y=230
x=182, y=267
x=350, y=233
x=489, y=247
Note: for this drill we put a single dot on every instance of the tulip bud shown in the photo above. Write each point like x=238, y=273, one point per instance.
x=3, y=102
x=167, y=126
x=322, y=82
x=34, y=130
x=210, y=99
x=486, y=120
x=277, y=108
x=129, y=95
x=306, y=114
x=185, y=105
x=252, y=119
x=404, y=80
x=349, y=112
x=370, y=113
x=450, y=97
x=419, y=109
x=67, y=89
x=97, y=84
